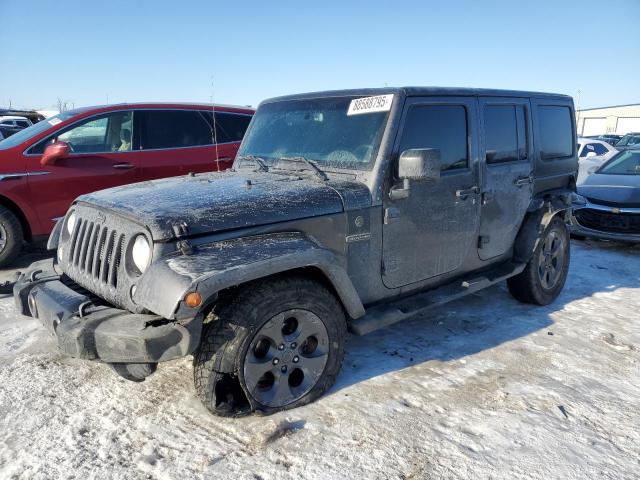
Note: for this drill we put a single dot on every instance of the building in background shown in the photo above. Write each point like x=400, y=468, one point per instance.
x=619, y=119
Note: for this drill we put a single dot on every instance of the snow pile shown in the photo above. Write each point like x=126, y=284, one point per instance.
x=481, y=388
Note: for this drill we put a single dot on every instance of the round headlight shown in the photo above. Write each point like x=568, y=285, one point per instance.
x=71, y=222
x=141, y=253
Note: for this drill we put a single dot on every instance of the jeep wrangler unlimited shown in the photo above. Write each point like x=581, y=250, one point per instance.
x=344, y=210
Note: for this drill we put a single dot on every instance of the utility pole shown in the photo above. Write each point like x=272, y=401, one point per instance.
x=578, y=111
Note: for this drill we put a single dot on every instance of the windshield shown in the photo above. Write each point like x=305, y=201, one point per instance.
x=624, y=163
x=36, y=129
x=629, y=140
x=325, y=131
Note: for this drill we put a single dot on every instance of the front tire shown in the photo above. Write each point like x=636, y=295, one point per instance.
x=271, y=346
x=11, y=236
x=543, y=278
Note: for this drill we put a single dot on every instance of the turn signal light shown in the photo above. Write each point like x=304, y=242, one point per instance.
x=193, y=299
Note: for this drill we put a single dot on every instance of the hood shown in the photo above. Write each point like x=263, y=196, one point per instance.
x=219, y=201
x=613, y=190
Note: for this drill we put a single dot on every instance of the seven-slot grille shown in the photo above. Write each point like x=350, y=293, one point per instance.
x=96, y=251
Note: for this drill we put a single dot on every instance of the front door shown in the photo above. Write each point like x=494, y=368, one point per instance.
x=101, y=157
x=508, y=176
x=431, y=232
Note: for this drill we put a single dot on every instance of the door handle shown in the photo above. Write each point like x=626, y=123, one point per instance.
x=463, y=194
x=224, y=159
x=521, y=181
x=123, y=166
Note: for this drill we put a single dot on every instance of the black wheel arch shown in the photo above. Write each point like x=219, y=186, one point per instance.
x=542, y=210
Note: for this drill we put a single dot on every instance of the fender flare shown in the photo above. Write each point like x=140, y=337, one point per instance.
x=539, y=214
x=220, y=265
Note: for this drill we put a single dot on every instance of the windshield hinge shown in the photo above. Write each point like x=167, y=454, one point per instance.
x=185, y=247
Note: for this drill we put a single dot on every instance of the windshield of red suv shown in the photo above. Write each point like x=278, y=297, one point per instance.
x=36, y=129
x=342, y=132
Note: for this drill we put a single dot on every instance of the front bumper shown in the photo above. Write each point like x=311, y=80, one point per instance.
x=86, y=329
x=601, y=233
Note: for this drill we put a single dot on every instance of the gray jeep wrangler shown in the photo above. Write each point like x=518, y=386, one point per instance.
x=344, y=210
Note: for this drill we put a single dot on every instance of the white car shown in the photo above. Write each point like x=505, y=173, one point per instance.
x=15, y=122
x=591, y=154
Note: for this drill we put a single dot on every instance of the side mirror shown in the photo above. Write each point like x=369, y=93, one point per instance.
x=591, y=154
x=55, y=152
x=419, y=164
x=416, y=164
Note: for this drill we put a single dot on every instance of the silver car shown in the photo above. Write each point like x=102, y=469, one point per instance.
x=607, y=205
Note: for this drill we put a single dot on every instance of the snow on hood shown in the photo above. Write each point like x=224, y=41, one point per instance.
x=214, y=202
x=619, y=189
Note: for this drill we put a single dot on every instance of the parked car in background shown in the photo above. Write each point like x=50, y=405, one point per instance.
x=14, y=121
x=607, y=205
x=610, y=138
x=10, y=125
x=630, y=140
x=31, y=115
x=591, y=154
x=47, y=165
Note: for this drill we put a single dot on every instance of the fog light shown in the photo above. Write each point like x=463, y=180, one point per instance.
x=193, y=299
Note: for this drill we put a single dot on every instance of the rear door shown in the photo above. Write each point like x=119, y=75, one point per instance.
x=101, y=157
x=506, y=154
x=431, y=232
x=176, y=142
x=230, y=128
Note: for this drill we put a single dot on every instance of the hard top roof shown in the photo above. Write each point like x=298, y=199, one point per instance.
x=421, y=91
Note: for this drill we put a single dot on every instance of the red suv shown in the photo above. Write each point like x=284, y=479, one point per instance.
x=43, y=168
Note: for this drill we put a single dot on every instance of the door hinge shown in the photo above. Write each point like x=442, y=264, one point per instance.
x=483, y=240
x=391, y=214
x=487, y=197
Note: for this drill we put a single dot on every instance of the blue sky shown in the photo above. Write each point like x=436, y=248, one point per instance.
x=89, y=51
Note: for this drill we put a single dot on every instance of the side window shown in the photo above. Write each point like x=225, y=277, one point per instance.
x=22, y=123
x=173, y=129
x=438, y=126
x=230, y=127
x=600, y=149
x=596, y=148
x=107, y=133
x=556, y=132
x=505, y=133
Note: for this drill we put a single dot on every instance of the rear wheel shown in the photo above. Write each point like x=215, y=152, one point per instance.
x=544, y=276
x=273, y=346
x=11, y=236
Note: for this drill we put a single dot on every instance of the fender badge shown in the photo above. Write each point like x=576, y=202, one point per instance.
x=615, y=210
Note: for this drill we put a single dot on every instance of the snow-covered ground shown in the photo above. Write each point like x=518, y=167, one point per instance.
x=482, y=388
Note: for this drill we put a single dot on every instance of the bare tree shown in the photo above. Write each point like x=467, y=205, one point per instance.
x=65, y=105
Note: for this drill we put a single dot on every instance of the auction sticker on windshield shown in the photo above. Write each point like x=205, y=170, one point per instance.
x=379, y=103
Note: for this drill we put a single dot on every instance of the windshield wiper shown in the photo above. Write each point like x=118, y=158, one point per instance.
x=262, y=166
x=317, y=172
